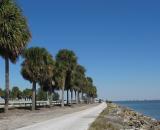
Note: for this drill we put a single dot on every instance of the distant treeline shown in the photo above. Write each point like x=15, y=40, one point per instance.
x=17, y=94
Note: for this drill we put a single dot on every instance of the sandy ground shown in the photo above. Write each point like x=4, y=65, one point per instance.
x=76, y=121
x=20, y=118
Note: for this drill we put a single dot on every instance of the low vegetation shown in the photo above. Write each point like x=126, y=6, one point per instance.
x=116, y=117
x=101, y=122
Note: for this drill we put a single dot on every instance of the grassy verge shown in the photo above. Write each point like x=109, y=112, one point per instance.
x=101, y=122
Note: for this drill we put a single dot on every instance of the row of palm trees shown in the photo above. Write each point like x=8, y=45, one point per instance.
x=63, y=73
x=38, y=67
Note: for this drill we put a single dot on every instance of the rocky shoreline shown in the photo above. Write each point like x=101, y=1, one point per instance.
x=116, y=117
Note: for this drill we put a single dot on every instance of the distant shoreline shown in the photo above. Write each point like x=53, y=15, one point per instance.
x=137, y=100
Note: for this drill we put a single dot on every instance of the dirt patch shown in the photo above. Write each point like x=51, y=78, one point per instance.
x=17, y=118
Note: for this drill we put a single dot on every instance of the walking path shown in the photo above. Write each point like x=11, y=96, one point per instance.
x=75, y=121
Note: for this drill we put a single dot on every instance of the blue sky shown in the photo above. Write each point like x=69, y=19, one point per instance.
x=118, y=41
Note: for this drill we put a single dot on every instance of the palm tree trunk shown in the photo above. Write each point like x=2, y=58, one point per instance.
x=79, y=98
x=82, y=97
x=63, y=86
x=71, y=97
x=67, y=97
x=7, y=84
x=52, y=94
x=88, y=98
x=47, y=96
x=50, y=99
x=34, y=96
x=76, y=97
x=62, y=104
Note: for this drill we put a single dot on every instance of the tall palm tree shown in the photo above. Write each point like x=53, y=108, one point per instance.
x=88, y=88
x=72, y=86
x=14, y=36
x=83, y=88
x=68, y=60
x=37, y=67
x=94, y=93
x=59, y=78
x=79, y=80
x=48, y=86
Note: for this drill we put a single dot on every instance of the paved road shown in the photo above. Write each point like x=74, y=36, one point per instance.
x=75, y=121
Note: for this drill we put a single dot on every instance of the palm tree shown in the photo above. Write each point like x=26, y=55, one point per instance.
x=48, y=86
x=90, y=90
x=37, y=67
x=68, y=61
x=72, y=86
x=94, y=93
x=59, y=78
x=79, y=80
x=83, y=88
x=14, y=36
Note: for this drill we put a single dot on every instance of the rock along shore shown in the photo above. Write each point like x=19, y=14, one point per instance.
x=116, y=117
x=127, y=119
